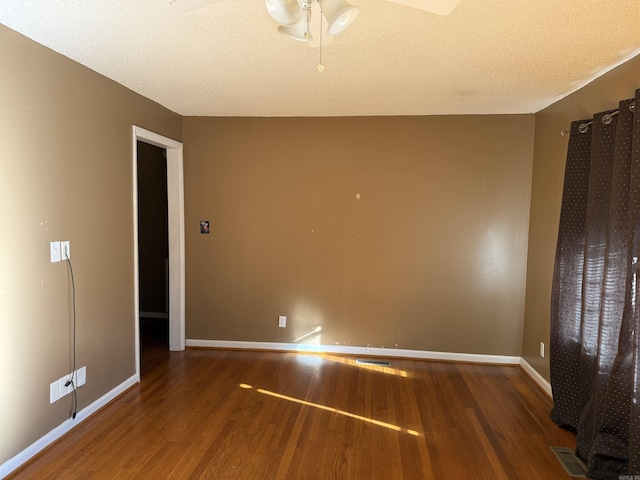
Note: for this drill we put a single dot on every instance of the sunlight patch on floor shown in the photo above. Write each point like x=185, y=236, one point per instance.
x=331, y=409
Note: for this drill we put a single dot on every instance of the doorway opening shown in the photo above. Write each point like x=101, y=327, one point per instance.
x=175, y=237
x=153, y=249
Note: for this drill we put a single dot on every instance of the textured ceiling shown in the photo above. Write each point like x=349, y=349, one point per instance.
x=227, y=59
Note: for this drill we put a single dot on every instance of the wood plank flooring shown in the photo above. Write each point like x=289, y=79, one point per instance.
x=214, y=414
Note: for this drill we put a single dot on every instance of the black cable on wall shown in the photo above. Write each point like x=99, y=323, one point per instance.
x=71, y=381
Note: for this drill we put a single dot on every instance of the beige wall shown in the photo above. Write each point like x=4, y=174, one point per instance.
x=550, y=150
x=431, y=257
x=65, y=174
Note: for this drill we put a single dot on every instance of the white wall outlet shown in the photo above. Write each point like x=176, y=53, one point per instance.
x=59, y=389
x=55, y=252
x=282, y=321
x=542, y=349
x=65, y=249
x=54, y=392
x=65, y=389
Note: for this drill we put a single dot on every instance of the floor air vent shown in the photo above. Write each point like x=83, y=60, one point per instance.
x=377, y=363
x=573, y=466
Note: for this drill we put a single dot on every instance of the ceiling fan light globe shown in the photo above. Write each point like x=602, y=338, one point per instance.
x=299, y=31
x=339, y=14
x=285, y=12
x=295, y=33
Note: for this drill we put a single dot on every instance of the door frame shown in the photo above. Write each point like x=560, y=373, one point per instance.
x=175, y=209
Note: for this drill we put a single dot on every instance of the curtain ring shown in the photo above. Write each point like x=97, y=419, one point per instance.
x=607, y=119
x=583, y=128
x=632, y=106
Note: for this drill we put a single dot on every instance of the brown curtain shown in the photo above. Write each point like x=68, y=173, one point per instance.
x=595, y=365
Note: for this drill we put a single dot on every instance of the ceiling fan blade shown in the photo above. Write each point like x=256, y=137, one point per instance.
x=439, y=7
x=188, y=5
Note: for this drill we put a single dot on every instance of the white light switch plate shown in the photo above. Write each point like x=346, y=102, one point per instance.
x=282, y=321
x=55, y=252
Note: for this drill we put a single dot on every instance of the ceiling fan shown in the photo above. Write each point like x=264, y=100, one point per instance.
x=302, y=20
x=295, y=16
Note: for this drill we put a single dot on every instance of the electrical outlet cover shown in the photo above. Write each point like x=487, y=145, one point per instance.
x=65, y=249
x=54, y=392
x=63, y=389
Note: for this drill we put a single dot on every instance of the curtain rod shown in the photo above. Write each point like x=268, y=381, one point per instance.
x=606, y=119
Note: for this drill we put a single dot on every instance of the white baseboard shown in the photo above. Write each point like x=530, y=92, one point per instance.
x=349, y=350
x=36, y=447
x=536, y=377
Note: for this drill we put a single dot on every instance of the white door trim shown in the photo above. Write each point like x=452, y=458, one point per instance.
x=175, y=197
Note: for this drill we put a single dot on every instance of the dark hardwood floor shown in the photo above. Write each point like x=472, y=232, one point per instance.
x=213, y=414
